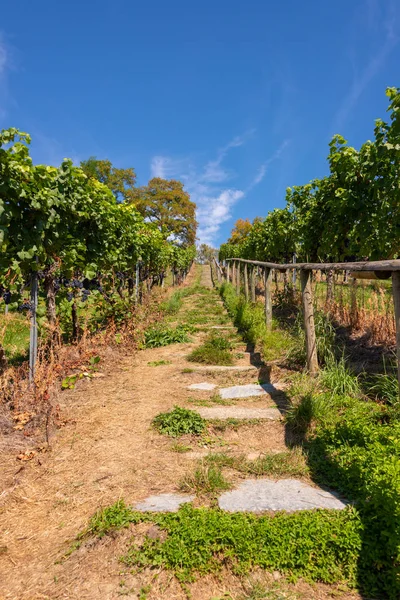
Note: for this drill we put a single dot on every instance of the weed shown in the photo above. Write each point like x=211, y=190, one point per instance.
x=338, y=379
x=231, y=423
x=158, y=363
x=158, y=336
x=322, y=545
x=384, y=387
x=179, y=421
x=216, y=350
x=290, y=463
x=207, y=479
x=180, y=448
x=109, y=519
x=187, y=370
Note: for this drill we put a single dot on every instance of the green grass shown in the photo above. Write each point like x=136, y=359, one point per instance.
x=338, y=379
x=180, y=448
x=222, y=425
x=249, y=318
x=14, y=332
x=178, y=422
x=216, y=350
x=206, y=480
x=291, y=463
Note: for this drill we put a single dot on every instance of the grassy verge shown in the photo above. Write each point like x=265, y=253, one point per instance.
x=349, y=429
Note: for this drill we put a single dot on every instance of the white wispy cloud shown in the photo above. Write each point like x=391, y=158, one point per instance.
x=383, y=21
x=262, y=171
x=207, y=184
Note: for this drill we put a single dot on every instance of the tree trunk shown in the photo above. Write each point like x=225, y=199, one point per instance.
x=75, y=322
x=50, y=298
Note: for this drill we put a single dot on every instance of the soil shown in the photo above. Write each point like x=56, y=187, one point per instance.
x=108, y=450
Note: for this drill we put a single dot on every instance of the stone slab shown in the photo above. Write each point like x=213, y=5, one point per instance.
x=238, y=412
x=202, y=386
x=163, y=503
x=248, y=390
x=261, y=495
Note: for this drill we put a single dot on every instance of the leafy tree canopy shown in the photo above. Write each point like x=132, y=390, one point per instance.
x=119, y=181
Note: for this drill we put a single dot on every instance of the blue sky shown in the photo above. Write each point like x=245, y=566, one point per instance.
x=238, y=99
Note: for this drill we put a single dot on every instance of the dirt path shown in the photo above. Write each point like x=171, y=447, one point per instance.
x=105, y=452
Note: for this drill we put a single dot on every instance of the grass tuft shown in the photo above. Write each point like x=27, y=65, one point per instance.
x=216, y=350
x=206, y=480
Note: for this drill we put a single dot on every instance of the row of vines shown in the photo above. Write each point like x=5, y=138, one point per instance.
x=67, y=241
x=351, y=214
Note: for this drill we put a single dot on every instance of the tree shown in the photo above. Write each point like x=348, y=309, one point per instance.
x=240, y=231
x=119, y=181
x=166, y=204
x=205, y=254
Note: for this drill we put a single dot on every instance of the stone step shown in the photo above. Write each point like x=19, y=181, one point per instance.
x=261, y=495
x=238, y=412
x=248, y=390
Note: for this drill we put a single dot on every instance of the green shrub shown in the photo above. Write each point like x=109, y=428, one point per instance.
x=179, y=421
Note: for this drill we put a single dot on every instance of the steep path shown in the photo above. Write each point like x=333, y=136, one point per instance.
x=108, y=450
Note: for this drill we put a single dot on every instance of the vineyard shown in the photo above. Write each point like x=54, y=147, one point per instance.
x=193, y=423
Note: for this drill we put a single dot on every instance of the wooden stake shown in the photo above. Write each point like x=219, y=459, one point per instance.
x=246, y=282
x=238, y=277
x=227, y=271
x=253, y=284
x=268, y=299
x=396, y=300
x=308, y=309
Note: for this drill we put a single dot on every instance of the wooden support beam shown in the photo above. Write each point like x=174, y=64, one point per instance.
x=246, y=282
x=268, y=298
x=308, y=309
x=238, y=277
x=228, y=272
x=396, y=300
x=253, y=283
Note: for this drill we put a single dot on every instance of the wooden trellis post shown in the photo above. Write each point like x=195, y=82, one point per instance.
x=309, y=326
x=268, y=299
x=238, y=277
x=246, y=281
x=228, y=266
x=253, y=283
x=396, y=301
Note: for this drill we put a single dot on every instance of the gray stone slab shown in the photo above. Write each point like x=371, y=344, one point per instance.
x=202, y=386
x=163, y=503
x=238, y=412
x=261, y=495
x=248, y=390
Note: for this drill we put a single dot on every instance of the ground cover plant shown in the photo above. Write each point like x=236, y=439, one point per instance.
x=178, y=422
x=319, y=545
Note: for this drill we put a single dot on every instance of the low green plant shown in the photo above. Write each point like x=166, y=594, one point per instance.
x=161, y=335
x=206, y=480
x=290, y=463
x=231, y=423
x=338, y=379
x=321, y=545
x=179, y=421
x=325, y=336
x=158, y=363
x=385, y=387
x=180, y=448
x=216, y=350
